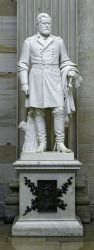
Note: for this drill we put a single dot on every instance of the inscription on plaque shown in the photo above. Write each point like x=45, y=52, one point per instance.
x=47, y=196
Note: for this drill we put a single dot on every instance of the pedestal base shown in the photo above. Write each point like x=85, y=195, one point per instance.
x=47, y=196
x=47, y=228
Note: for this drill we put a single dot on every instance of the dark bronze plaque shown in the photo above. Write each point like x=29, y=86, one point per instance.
x=47, y=196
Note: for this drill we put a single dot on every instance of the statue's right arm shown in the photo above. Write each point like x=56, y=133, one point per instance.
x=23, y=67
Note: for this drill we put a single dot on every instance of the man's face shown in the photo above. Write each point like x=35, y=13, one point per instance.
x=44, y=26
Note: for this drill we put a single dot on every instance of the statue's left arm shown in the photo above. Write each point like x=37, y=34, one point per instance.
x=70, y=77
x=67, y=67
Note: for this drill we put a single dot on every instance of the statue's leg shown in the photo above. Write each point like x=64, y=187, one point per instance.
x=41, y=130
x=59, y=129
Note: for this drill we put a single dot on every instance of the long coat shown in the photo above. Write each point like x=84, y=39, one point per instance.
x=40, y=66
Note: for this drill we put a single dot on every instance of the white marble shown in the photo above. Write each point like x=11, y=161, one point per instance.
x=52, y=76
x=62, y=222
x=47, y=156
x=26, y=196
x=47, y=164
x=49, y=82
x=47, y=228
x=64, y=19
x=30, y=138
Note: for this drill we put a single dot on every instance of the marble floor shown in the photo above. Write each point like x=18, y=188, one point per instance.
x=46, y=243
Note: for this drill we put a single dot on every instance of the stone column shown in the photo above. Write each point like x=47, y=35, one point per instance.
x=86, y=94
x=72, y=44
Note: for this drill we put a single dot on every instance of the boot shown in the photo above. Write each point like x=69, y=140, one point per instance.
x=41, y=131
x=59, y=130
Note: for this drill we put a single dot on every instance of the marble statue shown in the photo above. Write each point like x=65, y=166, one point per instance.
x=30, y=140
x=47, y=76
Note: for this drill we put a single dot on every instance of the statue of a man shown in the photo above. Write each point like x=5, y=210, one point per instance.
x=46, y=75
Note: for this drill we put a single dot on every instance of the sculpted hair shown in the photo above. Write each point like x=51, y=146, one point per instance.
x=42, y=15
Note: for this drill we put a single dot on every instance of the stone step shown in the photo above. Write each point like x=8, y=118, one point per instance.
x=82, y=200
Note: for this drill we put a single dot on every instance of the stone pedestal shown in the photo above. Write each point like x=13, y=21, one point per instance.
x=47, y=195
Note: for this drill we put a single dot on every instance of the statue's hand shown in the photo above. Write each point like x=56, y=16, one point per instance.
x=25, y=89
x=71, y=74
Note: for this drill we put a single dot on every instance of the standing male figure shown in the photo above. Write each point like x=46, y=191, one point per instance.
x=44, y=70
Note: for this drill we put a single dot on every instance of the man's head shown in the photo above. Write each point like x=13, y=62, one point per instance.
x=44, y=24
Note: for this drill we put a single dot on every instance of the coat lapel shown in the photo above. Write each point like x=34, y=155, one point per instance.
x=48, y=41
x=42, y=42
